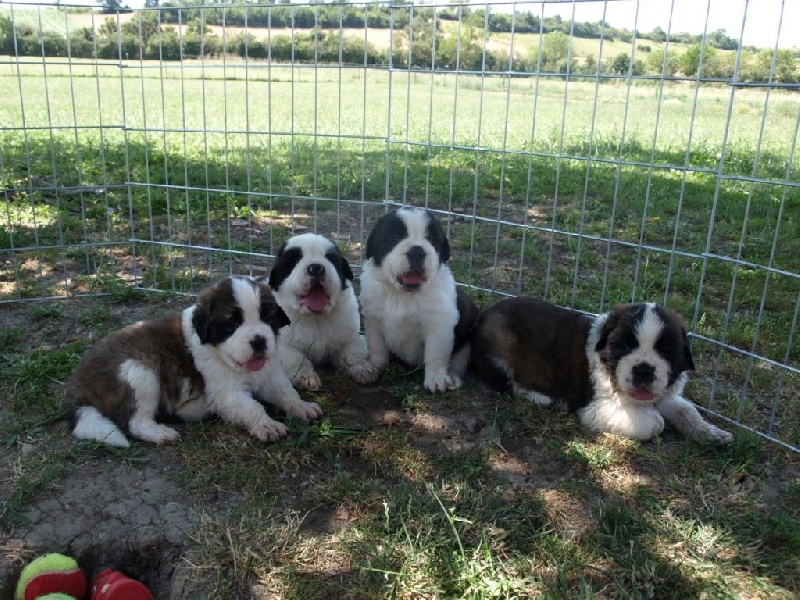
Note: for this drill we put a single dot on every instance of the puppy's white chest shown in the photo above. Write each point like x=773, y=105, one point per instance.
x=313, y=336
x=405, y=336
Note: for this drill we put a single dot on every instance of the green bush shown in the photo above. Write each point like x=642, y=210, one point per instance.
x=151, y=35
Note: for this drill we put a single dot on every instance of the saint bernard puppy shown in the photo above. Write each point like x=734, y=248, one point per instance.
x=412, y=307
x=623, y=372
x=216, y=357
x=313, y=284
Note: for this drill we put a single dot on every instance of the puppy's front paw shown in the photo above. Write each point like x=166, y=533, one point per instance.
x=713, y=434
x=307, y=380
x=441, y=381
x=268, y=430
x=153, y=432
x=537, y=398
x=306, y=411
x=363, y=371
x=657, y=427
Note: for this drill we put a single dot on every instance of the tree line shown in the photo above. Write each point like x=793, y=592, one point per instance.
x=152, y=35
x=401, y=13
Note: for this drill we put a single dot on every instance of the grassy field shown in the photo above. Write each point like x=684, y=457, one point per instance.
x=585, y=194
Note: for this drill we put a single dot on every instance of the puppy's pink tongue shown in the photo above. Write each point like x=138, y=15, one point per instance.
x=412, y=278
x=255, y=364
x=316, y=299
x=642, y=394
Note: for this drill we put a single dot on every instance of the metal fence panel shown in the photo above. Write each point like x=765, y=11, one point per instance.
x=584, y=163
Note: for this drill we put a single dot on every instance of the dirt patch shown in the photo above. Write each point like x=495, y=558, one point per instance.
x=107, y=513
x=128, y=517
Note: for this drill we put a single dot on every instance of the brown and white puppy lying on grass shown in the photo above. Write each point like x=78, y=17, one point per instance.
x=623, y=372
x=217, y=357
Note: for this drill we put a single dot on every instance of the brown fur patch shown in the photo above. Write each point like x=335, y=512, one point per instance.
x=159, y=344
x=543, y=345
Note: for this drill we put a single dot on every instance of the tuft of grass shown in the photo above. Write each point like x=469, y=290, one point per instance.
x=9, y=337
x=594, y=456
x=32, y=382
x=45, y=313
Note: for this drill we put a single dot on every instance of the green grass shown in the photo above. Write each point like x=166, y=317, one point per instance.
x=537, y=507
x=429, y=529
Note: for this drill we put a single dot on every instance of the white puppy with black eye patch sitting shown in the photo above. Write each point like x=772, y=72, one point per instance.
x=313, y=284
x=412, y=307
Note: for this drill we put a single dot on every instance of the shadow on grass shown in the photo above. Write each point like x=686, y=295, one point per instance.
x=470, y=494
x=391, y=512
x=573, y=196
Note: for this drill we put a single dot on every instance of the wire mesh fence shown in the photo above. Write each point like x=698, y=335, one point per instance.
x=570, y=159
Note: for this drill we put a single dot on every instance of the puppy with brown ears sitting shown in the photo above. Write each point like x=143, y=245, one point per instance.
x=314, y=285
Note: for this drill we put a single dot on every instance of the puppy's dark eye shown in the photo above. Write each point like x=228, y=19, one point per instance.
x=666, y=346
x=266, y=312
x=624, y=344
x=230, y=321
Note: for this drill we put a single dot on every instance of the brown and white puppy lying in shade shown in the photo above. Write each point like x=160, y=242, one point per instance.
x=623, y=372
x=216, y=357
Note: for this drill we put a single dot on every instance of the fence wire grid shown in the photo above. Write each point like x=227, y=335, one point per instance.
x=581, y=162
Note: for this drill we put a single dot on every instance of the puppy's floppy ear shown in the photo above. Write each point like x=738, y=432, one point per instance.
x=278, y=318
x=437, y=238
x=374, y=236
x=688, y=363
x=610, y=324
x=271, y=312
x=201, y=318
x=339, y=262
x=275, y=276
x=347, y=272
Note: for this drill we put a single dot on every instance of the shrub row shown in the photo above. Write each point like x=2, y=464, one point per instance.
x=148, y=39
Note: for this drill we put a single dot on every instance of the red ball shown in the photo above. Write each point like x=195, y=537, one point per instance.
x=113, y=585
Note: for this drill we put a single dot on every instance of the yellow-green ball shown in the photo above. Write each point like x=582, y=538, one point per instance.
x=54, y=563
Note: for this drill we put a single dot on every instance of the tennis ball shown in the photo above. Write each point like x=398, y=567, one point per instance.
x=51, y=574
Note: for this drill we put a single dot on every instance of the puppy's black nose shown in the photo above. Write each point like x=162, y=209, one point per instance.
x=259, y=344
x=416, y=257
x=316, y=271
x=643, y=374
